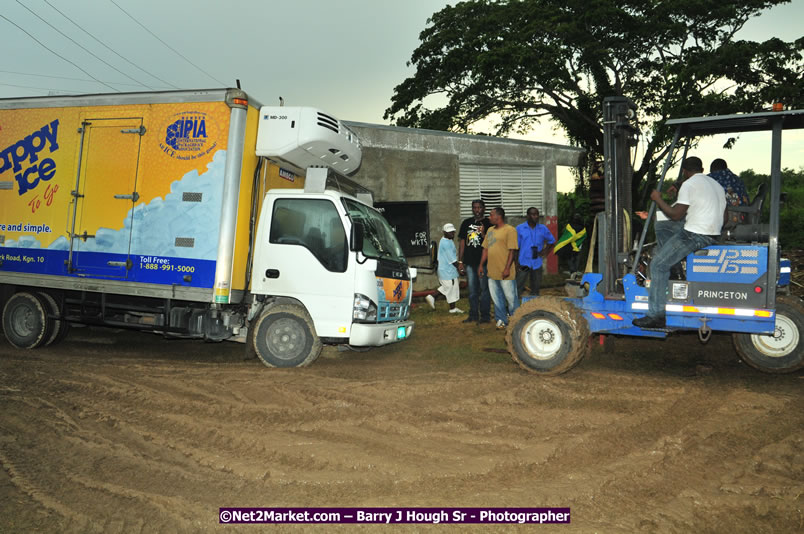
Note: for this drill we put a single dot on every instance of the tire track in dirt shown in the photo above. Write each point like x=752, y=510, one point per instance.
x=164, y=441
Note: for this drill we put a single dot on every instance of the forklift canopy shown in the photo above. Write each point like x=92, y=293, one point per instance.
x=747, y=122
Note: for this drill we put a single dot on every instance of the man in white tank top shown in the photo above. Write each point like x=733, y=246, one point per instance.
x=703, y=201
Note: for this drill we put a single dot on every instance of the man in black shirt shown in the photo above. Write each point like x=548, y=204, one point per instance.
x=471, y=235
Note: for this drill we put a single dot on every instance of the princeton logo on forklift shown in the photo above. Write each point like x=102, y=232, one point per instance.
x=25, y=153
x=186, y=136
x=728, y=264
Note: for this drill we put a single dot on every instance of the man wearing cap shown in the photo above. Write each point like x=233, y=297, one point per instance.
x=447, y=270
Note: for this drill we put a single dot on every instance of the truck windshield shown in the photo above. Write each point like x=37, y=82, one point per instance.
x=379, y=240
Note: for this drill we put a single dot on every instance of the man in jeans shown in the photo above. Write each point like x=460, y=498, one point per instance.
x=703, y=201
x=535, y=242
x=471, y=234
x=499, y=249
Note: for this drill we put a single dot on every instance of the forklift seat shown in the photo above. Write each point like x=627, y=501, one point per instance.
x=752, y=213
x=750, y=229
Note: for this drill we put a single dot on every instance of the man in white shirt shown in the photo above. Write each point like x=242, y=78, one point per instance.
x=703, y=201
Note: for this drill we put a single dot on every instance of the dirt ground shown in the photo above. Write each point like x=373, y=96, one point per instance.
x=115, y=431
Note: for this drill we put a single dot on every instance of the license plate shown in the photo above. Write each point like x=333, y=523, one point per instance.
x=400, y=332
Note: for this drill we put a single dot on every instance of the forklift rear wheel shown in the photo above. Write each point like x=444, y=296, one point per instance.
x=25, y=321
x=548, y=336
x=780, y=352
x=284, y=336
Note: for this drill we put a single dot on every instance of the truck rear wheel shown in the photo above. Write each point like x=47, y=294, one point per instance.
x=58, y=328
x=25, y=321
x=284, y=336
x=548, y=336
x=782, y=351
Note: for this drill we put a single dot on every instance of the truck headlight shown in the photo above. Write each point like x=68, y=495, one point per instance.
x=364, y=309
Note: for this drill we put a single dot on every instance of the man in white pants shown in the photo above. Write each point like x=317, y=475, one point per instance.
x=447, y=270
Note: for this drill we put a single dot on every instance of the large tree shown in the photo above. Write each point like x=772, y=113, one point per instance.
x=515, y=62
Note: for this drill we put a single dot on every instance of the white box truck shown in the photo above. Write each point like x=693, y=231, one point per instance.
x=193, y=214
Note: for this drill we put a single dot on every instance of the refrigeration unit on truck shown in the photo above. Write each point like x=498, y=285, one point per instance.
x=193, y=214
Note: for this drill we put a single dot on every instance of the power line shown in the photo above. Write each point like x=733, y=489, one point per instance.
x=55, y=53
x=111, y=49
x=62, y=77
x=41, y=88
x=82, y=47
x=167, y=45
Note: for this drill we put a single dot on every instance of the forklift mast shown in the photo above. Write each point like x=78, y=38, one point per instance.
x=614, y=237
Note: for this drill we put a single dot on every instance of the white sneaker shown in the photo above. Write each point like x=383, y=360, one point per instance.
x=500, y=324
x=456, y=310
x=430, y=300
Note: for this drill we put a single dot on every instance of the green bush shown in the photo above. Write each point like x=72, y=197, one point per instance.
x=791, y=216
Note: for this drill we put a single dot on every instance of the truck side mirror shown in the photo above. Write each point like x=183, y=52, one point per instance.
x=356, y=237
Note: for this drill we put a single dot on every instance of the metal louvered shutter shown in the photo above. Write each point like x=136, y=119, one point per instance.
x=513, y=188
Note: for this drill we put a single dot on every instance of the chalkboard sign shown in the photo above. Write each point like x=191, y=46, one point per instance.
x=411, y=223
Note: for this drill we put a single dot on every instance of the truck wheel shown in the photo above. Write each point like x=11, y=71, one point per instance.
x=548, y=336
x=780, y=352
x=284, y=336
x=58, y=327
x=25, y=321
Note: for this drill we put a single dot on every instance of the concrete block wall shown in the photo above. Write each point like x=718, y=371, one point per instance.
x=407, y=164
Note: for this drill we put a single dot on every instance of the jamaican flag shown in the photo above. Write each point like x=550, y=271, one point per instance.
x=571, y=236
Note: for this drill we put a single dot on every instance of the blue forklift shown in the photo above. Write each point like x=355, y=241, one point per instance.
x=739, y=285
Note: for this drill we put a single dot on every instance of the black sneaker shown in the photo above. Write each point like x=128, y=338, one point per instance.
x=484, y=321
x=469, y=320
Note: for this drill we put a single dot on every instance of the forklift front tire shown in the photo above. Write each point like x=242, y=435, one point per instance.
x=547, y=336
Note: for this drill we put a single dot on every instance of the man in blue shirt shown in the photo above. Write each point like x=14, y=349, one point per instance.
x=535, y=242
x=736, y=194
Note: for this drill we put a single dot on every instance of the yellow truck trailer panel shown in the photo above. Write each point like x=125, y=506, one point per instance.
x=130, y=192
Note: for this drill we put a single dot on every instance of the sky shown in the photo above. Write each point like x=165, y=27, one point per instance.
x=342, y=56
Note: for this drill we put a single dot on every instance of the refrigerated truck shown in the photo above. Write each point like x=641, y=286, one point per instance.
x=193, y=214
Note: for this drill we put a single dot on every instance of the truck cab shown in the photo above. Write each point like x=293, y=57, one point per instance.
x=338, y=259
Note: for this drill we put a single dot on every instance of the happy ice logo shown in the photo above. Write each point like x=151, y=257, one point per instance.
x=26, y=152
x=186, y=136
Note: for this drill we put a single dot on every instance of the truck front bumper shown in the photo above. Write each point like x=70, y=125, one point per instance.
x=375, y=335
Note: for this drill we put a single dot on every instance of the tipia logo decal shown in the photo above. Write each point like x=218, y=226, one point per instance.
x=187, y=135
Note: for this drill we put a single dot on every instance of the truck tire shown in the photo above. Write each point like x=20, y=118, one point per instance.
x=25, y=321
x=284, y=336
x=547, y=336
x=58, y=328
x=782, y=351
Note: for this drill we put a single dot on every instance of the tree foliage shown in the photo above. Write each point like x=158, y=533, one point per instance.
x=519, y=61
x=791, y=215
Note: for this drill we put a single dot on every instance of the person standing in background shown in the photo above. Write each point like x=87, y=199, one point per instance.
x=499, y=249
x=447, y=270
x=470, y=249
x=535, y=243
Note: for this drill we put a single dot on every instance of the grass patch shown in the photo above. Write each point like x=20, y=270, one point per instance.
x=443, y=336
